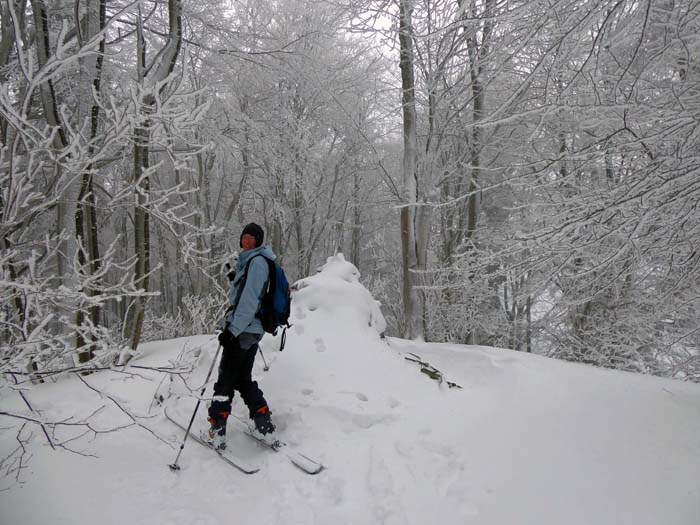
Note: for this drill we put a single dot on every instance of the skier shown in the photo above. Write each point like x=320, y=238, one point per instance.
x=239, y=338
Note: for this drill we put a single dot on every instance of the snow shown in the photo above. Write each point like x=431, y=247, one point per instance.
x=526, y=440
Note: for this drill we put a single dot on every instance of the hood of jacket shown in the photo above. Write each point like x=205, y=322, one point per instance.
x=244, y=257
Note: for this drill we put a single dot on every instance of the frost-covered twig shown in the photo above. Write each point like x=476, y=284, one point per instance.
x=123, y=409
x=91, y=368
x=21, y=463
x=43, y=428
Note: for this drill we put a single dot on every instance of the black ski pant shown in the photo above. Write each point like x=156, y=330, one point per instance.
x=235, y=369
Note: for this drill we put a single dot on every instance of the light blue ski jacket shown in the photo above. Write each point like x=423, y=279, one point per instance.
x=242, y=317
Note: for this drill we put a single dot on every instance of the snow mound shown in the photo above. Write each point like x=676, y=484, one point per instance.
x=335, y=292
x=337, y=333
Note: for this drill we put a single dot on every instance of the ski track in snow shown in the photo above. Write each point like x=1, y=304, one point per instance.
x=386, y=505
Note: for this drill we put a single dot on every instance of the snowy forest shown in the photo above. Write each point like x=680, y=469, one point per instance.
x=521, y=174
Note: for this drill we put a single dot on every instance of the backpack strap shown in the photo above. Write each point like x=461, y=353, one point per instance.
x=271, y=281
x=241, y=286
x=270, y=292
x=283, y=339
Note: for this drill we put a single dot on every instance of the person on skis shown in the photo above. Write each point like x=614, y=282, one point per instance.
x=241, y=332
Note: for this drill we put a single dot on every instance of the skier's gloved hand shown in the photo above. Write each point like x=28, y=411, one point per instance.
x=230, y=272
x=225, y=337
x=231, y=265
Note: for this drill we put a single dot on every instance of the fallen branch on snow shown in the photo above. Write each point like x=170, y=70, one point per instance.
x=431, y=371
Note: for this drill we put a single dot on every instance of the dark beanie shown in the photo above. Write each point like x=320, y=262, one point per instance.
x=254, y=230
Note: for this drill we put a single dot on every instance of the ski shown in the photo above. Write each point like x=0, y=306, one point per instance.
x=223, y=454
x=299, y=460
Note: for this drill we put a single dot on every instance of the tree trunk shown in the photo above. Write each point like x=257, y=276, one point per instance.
x=152, y=85
x=298, y=197
x=47, y=95
x=7, y=43
x=477, y=52
x=413, y=308
x=356, y=220
x=86, y=213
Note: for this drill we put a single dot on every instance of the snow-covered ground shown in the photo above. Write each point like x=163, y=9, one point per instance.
x=526, y=440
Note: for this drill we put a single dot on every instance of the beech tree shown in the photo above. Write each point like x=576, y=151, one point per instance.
x=153, y=83
x=61, y=150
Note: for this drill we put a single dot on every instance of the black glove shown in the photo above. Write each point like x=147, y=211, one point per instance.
x=230, y=272
x=226, y=338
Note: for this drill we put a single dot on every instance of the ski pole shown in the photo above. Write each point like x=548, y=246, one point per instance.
x=266, y=368
x=175, y=466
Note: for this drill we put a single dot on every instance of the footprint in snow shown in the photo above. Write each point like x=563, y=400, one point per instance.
x=299, y=328
x=366, y=421
x=320, y=345
x=358, y=395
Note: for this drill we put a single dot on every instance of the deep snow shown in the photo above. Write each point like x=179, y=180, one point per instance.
x=526, y=440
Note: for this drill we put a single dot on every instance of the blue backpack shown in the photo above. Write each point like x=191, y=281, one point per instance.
x=275, y=305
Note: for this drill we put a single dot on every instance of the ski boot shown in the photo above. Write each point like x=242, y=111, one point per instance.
x=215, y=435
x=261, y=418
